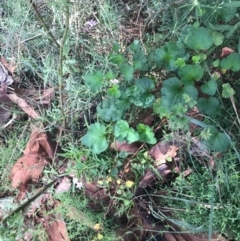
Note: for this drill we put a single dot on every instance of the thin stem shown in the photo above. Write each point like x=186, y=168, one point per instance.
x=40, y=19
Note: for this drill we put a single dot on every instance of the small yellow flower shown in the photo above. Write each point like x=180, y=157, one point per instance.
x=129, y=183
x=99, y=236
x=109, y=179
x=97, y=227
x=118, y=181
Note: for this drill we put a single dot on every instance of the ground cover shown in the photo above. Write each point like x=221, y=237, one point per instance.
x=119, y=120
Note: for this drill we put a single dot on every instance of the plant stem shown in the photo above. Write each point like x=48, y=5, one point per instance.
x=40, y=19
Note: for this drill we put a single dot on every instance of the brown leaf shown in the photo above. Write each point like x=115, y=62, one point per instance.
x=30, y=167
x=56, y=229
x=40, y=96
x=148, y=120
x=123, y=146
x=64, y=185
x=27, y=169
x=23, y=105
x=55, y=225
x=10, y=67
x=37, y=204
x=5, y=108
x=161, y=152
x=226, y=51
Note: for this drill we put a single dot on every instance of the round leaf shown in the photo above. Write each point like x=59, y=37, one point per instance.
x=199, y=39
x=146, y=134
x=95, y=138
x=227, y=90
x=231, y=62
x=217, y=38
x=190, y=73
x=209, y=88
x=144, y=85
x=116, y=58
x=121, y=129
x=208, y=106
x=127, y=71
x=94, y=80
x=218, y=142
x=173, y=92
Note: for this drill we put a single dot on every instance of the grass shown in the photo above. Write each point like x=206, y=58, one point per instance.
x=60, y=56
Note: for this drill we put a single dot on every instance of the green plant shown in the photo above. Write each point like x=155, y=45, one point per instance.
x=191, y=82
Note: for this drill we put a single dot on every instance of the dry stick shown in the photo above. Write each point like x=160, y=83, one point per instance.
x=31, y=199
x=40, y=19
x=235, y=109
x=61, y=62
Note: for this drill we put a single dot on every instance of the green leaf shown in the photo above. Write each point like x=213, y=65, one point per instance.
x=208, y=106
x=217, y=141
x=173, y=92
x=144, y=100
x=116, y=58
x=109, y=75
x=216, y=63
x=146, y=134
x=116, y=47
x=231, y=62
x=94, y=80
x=135, y=46
x=123, y=132
x=132, y=136
x=239, y=45
x=112, y=109
x=140, y=61
x=159, y=108
x=127, y=71
x=95, y=138
x=227, y=90
x=217, y=38
x=114, y=91
x=234, y=4
x=199, y=39
x=232, y=30
x=209, y=88
x=190, y=73
x=144, y=85
x=180, y=62
x=167, y=56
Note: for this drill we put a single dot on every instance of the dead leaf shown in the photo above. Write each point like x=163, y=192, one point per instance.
x=56, y=229
x=123, y=146
x=54, y=224
x=27, y=169
x=163, y=152
x=64, y=185
x=40, y=96
x=30, y=167
x=37, y=204
x=226, y=51
x=148, y=120
x=23, y=105
x=10, y=67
